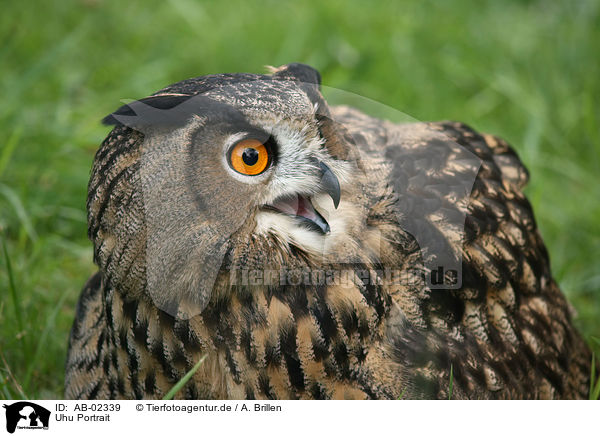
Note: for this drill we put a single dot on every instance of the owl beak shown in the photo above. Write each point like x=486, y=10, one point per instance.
x=330, y=183
x=301, y=207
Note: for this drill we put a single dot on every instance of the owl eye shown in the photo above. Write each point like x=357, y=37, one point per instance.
x=249, y=157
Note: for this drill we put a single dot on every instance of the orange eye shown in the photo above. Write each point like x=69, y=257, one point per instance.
x=249, y=157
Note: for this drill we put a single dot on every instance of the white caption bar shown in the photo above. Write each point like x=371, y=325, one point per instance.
x=293, y=417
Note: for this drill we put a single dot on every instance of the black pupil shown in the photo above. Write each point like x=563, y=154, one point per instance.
x=250, y=156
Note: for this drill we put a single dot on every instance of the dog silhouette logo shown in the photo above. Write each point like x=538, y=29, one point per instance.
x=26, y=415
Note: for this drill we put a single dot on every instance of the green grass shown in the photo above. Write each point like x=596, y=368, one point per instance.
x=525, y=70
x=181, y=383
x=595, y=370
x=450, y=383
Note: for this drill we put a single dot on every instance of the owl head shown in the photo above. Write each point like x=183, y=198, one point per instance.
x=228, y=169
x=247, y=172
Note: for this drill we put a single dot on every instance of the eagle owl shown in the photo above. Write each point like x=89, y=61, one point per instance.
x=303, y=251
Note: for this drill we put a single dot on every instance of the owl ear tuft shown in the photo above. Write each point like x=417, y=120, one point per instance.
x=162, y=102
x=298, y=72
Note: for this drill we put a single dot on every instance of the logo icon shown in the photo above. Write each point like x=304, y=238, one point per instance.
x=26, y=415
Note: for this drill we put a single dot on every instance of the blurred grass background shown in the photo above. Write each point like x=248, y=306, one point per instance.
x=528, y=71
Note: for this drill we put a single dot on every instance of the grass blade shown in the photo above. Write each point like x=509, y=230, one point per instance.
x=594, y=383
x=184, y=380
x=50, y=324
x=402, y=393
x=16, y=384
x=593, y=375
x=451, y=383
x=9, y=148
x=14, y=200
x=11, y=286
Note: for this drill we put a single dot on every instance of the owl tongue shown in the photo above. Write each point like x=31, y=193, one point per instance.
x=302, y=208
x=305, y=208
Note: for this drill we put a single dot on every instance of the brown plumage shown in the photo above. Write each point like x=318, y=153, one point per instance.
x=165, y=210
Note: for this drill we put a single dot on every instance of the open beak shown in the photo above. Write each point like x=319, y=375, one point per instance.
x=301, y=207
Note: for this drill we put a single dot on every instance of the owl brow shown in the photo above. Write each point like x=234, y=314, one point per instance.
x=169, y=110
x=163, y=102
x=248, y=131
